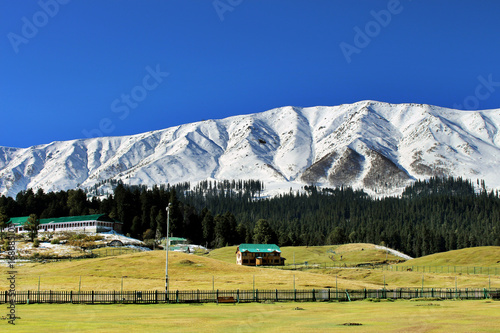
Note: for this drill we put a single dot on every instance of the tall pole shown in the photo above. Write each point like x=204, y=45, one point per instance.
x=336, y=289
x=166, y=245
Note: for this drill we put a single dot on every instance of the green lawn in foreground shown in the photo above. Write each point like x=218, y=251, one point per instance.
x=398, y=316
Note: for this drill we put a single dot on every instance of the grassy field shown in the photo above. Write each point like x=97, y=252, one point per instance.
x=398, y=316
x=348, y=254
x=484, y=256
x=146, y=271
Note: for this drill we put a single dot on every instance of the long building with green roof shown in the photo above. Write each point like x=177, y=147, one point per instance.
x=84, y=223
x=259, y=255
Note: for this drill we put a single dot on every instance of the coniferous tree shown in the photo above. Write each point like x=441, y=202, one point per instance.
x=208, y=227
x=4, y=221
x=32, y=226
x=263, y=233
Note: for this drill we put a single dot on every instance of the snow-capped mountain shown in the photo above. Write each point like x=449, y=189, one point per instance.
x=377, y=146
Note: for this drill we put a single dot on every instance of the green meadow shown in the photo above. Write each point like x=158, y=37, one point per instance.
x=360, y=316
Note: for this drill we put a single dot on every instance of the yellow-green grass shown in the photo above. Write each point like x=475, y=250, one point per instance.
x=146, y=271
x=352, y=254
x=415, y=279
x=483, y=256
x=398, y=316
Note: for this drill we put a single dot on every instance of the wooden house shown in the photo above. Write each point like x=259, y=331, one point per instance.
x=259, y=255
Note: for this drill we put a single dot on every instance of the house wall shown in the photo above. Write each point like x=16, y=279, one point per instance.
x=82, y=226
x=249, y=258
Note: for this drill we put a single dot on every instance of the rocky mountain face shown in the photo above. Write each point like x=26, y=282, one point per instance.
x=379, y=147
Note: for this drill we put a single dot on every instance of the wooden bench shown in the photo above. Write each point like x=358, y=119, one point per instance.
x=226, y=299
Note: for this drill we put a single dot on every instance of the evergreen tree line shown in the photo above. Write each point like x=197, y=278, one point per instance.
x=435, y=215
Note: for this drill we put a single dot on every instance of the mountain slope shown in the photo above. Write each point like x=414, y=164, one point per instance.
x=377, y=146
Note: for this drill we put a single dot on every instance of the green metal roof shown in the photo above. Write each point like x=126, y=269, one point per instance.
x=261, y=248
x=177, y=239
x=18, y=220
x=96, y=217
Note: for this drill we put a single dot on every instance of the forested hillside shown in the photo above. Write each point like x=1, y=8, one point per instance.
x=431, y=216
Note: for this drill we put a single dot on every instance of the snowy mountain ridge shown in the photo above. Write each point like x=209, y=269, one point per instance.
x=376, y=146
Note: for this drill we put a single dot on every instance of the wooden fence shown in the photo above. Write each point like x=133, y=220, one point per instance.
x=111, y=251
x=446, y=269
x=210, y=296
x=398, y=268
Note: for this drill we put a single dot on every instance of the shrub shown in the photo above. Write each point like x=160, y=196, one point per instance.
x=150, y=243
x=54, y=241
x=36, y=243
x=83, y=240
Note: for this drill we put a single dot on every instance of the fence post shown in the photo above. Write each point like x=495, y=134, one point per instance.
x=238, y=295
x=314, y=296
x=276, y=295
x=92, y=297
x=256, y=295
x=177, y=295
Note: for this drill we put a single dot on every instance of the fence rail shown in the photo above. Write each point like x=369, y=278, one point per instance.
x=398, y=268
x=111, y=251
x=446, y=269
x=210, y=296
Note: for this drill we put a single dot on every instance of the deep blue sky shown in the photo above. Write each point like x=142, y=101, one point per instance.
x=69, y=78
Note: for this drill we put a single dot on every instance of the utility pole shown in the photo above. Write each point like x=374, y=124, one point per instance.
x=167, y=246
